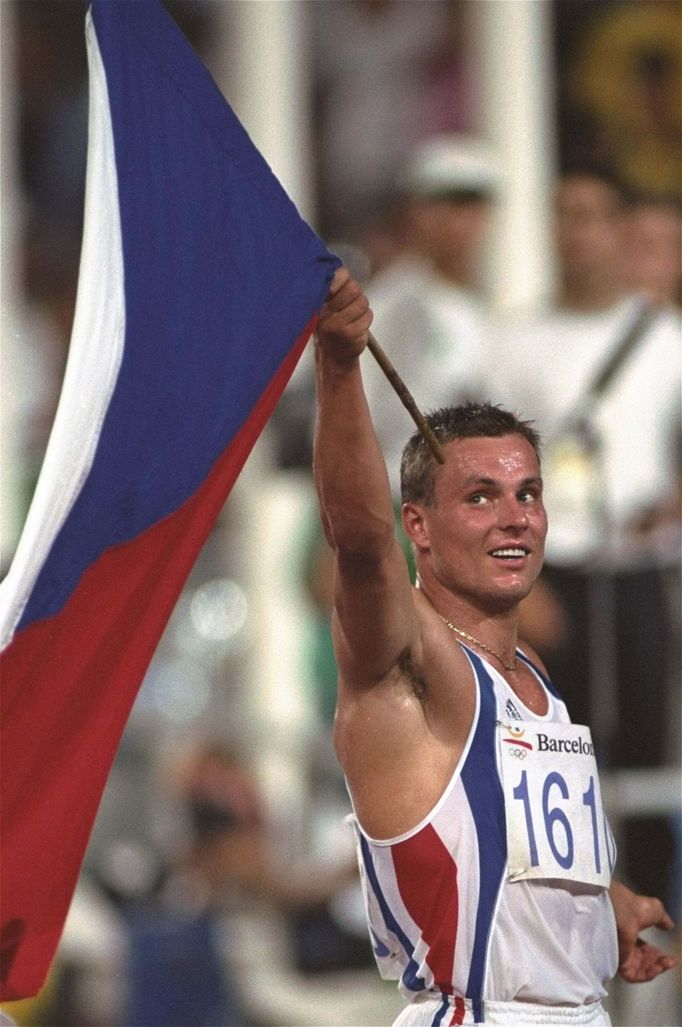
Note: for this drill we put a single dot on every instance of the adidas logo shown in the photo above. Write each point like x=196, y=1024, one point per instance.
x=512, y=711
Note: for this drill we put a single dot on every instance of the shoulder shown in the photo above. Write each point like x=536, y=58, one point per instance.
x=400, y=740
x=429, y=680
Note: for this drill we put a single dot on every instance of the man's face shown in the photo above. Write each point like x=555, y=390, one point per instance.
x=589, y=225
x=485, y=534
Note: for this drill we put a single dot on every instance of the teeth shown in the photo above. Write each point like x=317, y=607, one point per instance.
x=509, y=552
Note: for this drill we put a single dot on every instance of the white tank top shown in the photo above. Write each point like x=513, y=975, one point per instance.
x=444, y=914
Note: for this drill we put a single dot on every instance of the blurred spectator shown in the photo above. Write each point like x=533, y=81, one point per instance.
x=388, y=72
x=612, y=490
x=428, y=314
x=177, y=972
x=181, y=965
x=653, y=249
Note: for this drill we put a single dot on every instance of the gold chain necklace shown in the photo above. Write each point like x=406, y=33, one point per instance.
x=482, y=645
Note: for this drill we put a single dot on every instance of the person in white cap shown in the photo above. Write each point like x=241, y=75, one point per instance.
x=428, y=314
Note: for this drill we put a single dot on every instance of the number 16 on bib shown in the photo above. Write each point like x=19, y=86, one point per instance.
x=556, y=825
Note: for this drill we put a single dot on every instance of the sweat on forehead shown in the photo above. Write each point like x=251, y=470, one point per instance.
x=418, y=468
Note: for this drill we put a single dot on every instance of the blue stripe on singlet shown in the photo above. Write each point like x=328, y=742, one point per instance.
x=380, y=949
x=437, y=1020
x=486, y=800
x=411, y=978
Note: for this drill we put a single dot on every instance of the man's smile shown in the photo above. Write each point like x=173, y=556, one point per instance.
x=510, y=552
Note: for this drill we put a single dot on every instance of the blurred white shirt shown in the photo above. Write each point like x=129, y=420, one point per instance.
x=542, y=368
x=433, y=332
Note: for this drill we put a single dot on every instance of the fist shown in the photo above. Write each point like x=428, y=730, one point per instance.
x=343, y=327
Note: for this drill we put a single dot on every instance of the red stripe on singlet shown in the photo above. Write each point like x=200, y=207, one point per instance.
x=460, y=1009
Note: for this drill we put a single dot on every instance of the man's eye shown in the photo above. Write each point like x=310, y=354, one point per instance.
x=527, y=496
x=477, y=498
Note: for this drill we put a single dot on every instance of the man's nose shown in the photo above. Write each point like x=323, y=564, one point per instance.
x=512, y=513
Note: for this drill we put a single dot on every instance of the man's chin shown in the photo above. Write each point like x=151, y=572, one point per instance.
x=507, y=597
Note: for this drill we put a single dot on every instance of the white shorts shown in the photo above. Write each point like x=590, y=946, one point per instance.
x=429, y=1010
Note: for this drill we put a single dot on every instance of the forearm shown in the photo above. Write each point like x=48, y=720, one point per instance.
x=350, y=473
x=373, y=610
x=349, y=467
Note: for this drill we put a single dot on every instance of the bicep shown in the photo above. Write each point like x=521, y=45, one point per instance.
x=374, y=618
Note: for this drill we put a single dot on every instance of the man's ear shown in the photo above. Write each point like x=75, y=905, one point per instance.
x=414, y=526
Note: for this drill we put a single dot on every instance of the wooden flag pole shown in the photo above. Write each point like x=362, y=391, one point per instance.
x=406, y=398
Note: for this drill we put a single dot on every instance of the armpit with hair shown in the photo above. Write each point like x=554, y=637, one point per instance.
x=405, y=665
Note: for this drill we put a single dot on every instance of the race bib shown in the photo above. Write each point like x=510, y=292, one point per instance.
x=556, y=825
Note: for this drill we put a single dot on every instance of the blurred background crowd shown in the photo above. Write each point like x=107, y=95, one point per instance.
x=504, y=176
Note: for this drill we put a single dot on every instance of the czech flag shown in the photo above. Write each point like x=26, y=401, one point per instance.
x=199, y=286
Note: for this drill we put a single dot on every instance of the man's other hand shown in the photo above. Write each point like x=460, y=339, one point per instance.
x=637, y=959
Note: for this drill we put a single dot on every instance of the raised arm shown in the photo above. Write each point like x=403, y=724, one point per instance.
x=374, y=614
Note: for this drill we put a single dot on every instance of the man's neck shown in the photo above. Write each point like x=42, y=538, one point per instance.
x=496, y=626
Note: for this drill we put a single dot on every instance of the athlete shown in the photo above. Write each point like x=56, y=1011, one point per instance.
x=484, y=851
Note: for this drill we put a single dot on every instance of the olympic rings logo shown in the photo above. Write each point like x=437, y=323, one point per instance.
x=520, y=754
